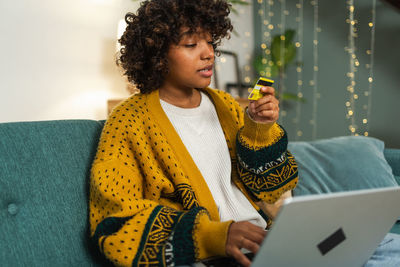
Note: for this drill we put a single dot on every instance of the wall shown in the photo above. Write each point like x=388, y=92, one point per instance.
x=57, y=62
x=333, y=62
x=57, y=58
x=241, y=42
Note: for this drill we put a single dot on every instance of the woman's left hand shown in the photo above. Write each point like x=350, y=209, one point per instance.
x=266, y=109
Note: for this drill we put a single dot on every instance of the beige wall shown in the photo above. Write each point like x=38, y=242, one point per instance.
x=57, y=58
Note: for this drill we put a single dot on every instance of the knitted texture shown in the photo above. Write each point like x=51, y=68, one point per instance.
x=201, y=132
x=268, y=170
x=149, y=204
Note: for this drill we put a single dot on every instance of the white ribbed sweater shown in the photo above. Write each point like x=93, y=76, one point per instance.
x=201, y=133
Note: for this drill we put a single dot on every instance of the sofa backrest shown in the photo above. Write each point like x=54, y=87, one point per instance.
x=392, y=156
x=44, y=168
x=341, y=164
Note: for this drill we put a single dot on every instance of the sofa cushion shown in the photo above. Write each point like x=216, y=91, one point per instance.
x=392, y=156
x=341, y=164
x=44, y=169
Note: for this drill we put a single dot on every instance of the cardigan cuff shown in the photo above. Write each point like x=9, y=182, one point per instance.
x=259, y=135
x=211, y=237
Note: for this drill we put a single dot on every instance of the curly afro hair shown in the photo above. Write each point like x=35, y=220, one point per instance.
x=156, y=25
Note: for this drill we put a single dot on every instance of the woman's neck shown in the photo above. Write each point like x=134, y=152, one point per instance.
x=181, y=98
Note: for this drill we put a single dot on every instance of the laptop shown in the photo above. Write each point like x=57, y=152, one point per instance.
x=336, y=229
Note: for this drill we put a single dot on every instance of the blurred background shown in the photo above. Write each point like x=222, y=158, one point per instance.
x=335, y=63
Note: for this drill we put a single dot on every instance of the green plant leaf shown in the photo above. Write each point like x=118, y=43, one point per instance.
x=289, y=34
x=289, y=47
x=274, y=70
x=263, y=65
x=290, y=54
x=272, y=65
x=276, y=49
x=258, y=64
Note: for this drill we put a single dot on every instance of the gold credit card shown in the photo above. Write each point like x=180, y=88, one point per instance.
x=256, y=93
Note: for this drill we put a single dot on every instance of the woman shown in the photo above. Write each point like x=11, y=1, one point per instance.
x=182, y=174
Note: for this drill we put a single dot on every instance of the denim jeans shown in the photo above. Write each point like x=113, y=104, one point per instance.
x=387, y=253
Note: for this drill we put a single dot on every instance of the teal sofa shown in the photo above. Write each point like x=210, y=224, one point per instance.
x=44, y=170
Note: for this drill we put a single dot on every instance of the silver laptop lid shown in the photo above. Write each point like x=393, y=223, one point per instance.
x=339, y=229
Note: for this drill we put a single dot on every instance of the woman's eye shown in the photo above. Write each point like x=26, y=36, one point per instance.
x=190, y=45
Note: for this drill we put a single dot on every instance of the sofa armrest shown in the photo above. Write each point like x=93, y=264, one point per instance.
x=392, y=156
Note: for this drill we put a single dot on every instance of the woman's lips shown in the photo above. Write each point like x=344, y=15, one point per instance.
x=206, y=72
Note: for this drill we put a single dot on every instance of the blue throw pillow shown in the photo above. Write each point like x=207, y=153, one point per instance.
x=341, y=164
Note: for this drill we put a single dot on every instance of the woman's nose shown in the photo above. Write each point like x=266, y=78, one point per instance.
x=207, y=51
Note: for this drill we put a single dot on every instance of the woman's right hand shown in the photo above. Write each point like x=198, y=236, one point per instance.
x=243, y=235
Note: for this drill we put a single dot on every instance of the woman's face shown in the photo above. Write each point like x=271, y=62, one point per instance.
x=190, y=61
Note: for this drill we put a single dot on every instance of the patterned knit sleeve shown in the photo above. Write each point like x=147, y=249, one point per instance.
x=131, y=230
x=265, y=166
x=141, y=209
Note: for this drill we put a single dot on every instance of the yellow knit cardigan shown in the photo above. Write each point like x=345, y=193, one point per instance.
x=149, y=204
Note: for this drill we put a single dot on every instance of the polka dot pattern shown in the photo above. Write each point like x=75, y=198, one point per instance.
x=138, y=169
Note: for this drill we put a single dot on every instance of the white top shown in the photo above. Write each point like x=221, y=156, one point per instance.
x=202, y=134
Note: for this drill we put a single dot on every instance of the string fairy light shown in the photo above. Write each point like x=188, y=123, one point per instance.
x=314, y=81
x=281, y=62
x=265, y=13
x=266, y=27
x=266, y=33
x=299, y=69
x=353, y=64
x=247, y=69
x=367, y=120
x=246, y=77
